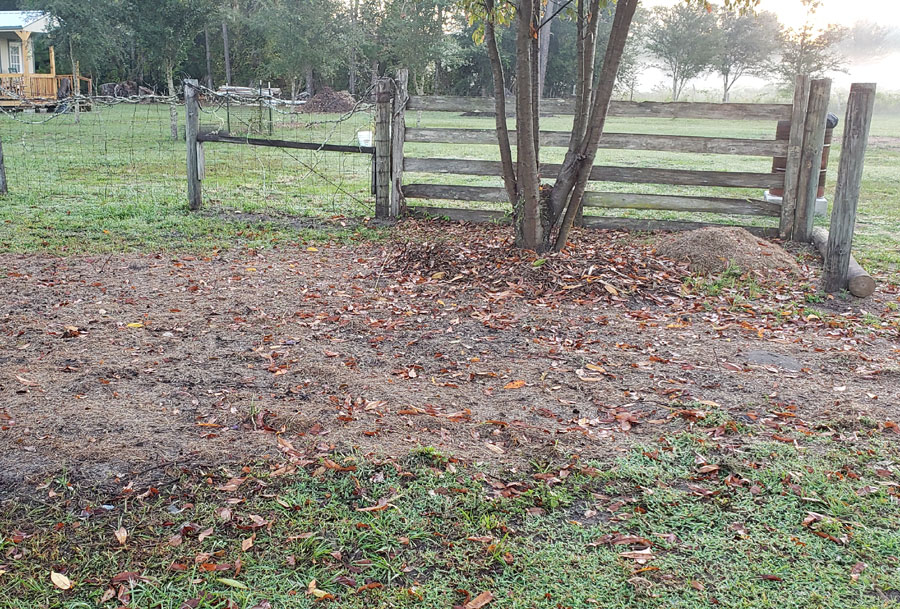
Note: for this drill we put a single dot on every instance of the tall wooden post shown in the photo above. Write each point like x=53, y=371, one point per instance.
x=191, y=130
x=52, y=61
x=795, y=148
x=398, y=135
x=227, y=54
x=811, y=158
x=383, y=97
x=846, y=195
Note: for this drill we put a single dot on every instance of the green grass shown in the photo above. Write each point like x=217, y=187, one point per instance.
x=741, y=536
x=116, y=181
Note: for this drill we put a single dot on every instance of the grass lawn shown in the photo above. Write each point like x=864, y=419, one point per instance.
x=687, y=521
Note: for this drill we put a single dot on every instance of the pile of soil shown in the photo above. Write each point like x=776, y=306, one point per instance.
x=710, y=250
x=329, y=100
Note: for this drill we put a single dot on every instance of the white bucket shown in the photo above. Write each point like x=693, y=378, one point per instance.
x=365, y=138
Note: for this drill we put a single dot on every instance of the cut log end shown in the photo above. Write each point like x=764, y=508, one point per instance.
x=859, y=282
x=861, y=285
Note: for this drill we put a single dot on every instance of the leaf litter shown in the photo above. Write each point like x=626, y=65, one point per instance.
x=447, y=337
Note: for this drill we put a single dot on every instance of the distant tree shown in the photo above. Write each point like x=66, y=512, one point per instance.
x=303, y=38
x=808, y=50
x=164, y=31
x=682, y=38
x=869, y=41
x=744, y=44
x=90, y=34
x=412, y=32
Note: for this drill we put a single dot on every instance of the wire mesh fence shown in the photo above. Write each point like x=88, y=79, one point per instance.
x=121, y=152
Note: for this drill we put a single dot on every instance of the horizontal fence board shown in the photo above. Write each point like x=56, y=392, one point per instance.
x=632, y=224
x=729, y=111
x=715, y=205
x=608, y=200
x=595, y=222
x=617, y=141
x=455, y=193
x=603, y=173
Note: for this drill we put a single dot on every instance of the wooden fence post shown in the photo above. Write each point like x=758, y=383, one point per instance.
x=811, y=158
x=846, y=194
x=4, y=188
x=191, y=130
x=398, y=135
x=795, y=147
x=383, y=98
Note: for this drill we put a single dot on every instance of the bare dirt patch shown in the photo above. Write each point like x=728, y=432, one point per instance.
x=712, y=249
x=115, y=367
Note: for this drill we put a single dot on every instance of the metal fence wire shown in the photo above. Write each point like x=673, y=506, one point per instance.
x=121, y=151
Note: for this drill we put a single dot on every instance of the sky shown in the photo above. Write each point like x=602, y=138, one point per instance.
x=841, y=12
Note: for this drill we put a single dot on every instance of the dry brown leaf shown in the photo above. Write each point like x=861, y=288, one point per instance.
x=60, y=581
x=514, y=384
x=121, y=535
x=479, y=601
x=248, y=543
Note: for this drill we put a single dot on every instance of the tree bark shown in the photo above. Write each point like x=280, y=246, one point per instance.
x=76, y=82
x=310, y=82
x=227, y=54
x=351, y=72
x=544, y=47
x=173, y=106
x=529, y=233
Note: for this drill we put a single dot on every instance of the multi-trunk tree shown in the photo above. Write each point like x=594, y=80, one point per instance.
x=543, y=216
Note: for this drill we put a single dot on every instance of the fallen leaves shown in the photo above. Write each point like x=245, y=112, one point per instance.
x=479, y=601
x=514, y=384
x=121, y=535
x=60, y=581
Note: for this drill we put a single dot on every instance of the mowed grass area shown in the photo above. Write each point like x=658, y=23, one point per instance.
x=683, y=522
x=116, y=180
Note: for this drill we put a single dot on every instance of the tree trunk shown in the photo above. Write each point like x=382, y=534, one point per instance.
x=173, y=105
x=544, y=47
x=584, y=161
x=209, y=77
x=75, y=82
x=227, y=54
x=499, y=80
x=374, y=72
x=294, y=89
x=351, y=72
x=310, y=82
x=527, y=211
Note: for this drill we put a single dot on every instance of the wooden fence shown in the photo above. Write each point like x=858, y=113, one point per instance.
x=802, y=151
x=807, y=115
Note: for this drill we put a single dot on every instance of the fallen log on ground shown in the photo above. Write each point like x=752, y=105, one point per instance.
x=860, y=283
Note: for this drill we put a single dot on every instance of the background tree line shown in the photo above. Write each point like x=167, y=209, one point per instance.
x=301, y=45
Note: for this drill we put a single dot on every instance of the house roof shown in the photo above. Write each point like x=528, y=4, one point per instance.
x=32, y=21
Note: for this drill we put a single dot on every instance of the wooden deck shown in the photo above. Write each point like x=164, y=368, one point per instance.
x=20, y=91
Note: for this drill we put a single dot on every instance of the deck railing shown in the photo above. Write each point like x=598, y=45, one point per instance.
x=38, y=87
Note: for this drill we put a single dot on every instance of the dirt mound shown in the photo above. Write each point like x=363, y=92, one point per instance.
x=329, y=100
x=711, y=250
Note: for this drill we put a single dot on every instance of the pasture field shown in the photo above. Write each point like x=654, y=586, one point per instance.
x=116, y=180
